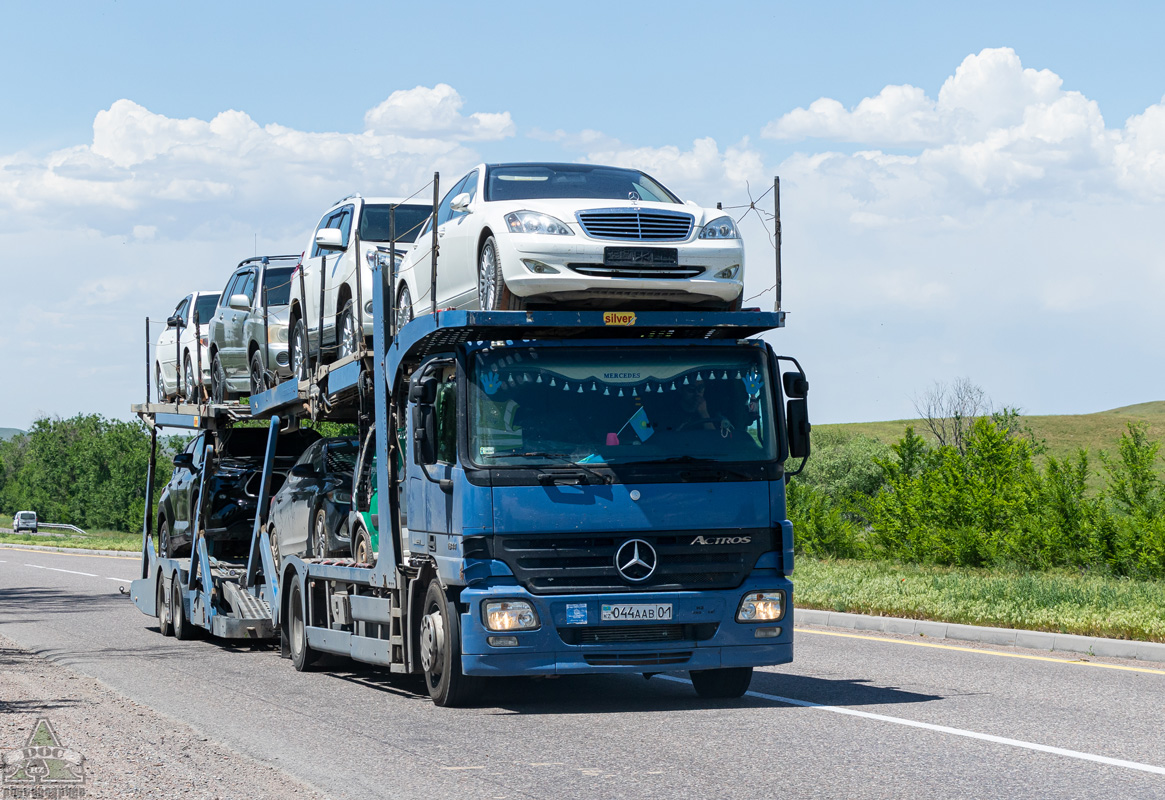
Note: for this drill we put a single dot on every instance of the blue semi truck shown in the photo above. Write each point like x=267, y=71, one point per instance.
x=557, y=492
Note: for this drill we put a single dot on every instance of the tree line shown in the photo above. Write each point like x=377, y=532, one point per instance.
x=979, y=499
x=87, y=471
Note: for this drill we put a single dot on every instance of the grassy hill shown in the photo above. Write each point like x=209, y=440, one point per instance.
x=1062, y=434
x=8, y=433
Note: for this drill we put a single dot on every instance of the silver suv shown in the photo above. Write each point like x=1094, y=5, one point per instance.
x=24, y=521
x=350, y=238
x=248, y=332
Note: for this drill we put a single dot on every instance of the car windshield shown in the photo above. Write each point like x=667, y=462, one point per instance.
x=409, y=219
x=205, y=305
x=277, y=281
x=543, y=405
x=545, y=181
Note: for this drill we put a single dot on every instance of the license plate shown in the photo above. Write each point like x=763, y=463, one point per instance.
x=640, y=256
x=635, y=612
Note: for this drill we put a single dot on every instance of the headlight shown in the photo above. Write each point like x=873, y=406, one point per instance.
x=533, y=222
x=761, y=607
x=509, y=615
x=378, y=256
x=277, y=334
x=342, y=497
x=720, y=228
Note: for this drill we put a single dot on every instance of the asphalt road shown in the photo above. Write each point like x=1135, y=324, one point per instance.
x=854, y=716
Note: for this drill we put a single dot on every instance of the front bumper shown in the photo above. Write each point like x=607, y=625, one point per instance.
x=567, y=253
x=717, y=639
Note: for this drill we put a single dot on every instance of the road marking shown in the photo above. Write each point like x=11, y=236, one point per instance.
x=121, y=580
x=986, y=737
x=74, y=555
x=55, y=569
x=461, y=768
x=984, y=652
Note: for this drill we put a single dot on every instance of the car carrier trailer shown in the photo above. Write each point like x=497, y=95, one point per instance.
x=522, y=530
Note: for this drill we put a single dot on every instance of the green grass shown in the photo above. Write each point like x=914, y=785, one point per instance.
x=1062, y=602
x=96, y=540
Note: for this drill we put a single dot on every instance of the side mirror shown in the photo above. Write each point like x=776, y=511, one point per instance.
x=184, y=461
x=423, y=391
x=239, y=302
x=797, y=418
x=796, y=385
x=303, y=471
x=461, y=202
x=330, y=239
x=424, y=435
x=174, y=321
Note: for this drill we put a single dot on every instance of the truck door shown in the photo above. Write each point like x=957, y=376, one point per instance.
x=430, y=507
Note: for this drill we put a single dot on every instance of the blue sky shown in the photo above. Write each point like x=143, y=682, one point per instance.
x=1004, y=229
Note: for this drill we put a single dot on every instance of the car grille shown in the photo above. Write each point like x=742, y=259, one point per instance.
x=605, y=659
x=617, y=634
x=601, y=271
x=636, y=224
x=559, y=564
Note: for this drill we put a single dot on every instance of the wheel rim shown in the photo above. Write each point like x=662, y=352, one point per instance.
x=321, y=542
x=404, y=307
x=163, y=607
x=177, y=615
x=362, y=549
x=299, y=356
x=161, y=386
x=432, y=645
x=191, y=389
x=216, y=393
x=258, y=384
x=297, y=632
x=487, y=286
x=164, y=541
x=348, y=332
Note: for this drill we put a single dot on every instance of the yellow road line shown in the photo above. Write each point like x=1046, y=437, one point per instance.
x=983, y=652
x=75, y=555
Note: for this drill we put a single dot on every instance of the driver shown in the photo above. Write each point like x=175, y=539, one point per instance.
x=696, y=416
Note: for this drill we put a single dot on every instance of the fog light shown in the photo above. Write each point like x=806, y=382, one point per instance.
x=728, y=273
x=761, y=607
x=767, y=633
x=281, y=358
x=508, y=615
x=507, y=641
x=538, y=267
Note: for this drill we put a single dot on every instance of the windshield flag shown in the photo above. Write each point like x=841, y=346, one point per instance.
x=640, y=425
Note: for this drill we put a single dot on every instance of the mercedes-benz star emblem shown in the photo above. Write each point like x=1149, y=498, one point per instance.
x=636, y=560
x=633, y=197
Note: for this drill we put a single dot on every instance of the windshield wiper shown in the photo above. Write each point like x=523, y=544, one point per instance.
x=565, y=460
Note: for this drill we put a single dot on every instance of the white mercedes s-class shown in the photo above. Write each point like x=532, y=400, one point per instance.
x=513, y=236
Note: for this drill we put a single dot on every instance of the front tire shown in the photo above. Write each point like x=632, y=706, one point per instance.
x=162, y=608
x=164, y=539
x=492, y=292
x=218, y=382
x=302, y=656
x=193, y=387
x=729, y=682
x=258, y=374
x=362, y=547
x=440, y=645
x=404, y=307
x=350, y=338
x=297, y=345
x=319, y=535
x=163, y=395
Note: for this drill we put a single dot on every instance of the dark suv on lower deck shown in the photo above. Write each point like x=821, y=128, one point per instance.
x=232, y=486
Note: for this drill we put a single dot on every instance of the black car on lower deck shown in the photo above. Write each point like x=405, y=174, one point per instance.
x=309, y=514
x=232, y=486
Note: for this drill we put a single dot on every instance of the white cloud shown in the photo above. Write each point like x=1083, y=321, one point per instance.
x=435, y=112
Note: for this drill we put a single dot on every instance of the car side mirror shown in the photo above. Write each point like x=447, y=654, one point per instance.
x=461, y=202
x=239, y=302
x=303, y=471
x=184, y=461
x=330, y=239
x=797, y=418
x=174, y=321
x=796, y=385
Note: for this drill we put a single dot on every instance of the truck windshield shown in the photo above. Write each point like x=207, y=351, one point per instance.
x=536, y=406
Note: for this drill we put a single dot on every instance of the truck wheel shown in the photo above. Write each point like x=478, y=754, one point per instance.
x=162, y=608
x=492, y=292
x=302, y=656
x=440, y=639
x=730, y=682
x=183, y=630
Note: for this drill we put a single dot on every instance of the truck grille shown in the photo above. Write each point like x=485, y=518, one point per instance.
x=636, y=224
x=563, y=563
x=605, y=659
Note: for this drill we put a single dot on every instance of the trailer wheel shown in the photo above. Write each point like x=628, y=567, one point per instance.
x=183, y=630
x=730, y=682
x=162, y=608
x=302, y=656
x=440, y=639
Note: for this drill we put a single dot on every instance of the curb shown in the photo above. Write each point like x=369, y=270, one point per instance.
x=1034, y=640
x=74, y=550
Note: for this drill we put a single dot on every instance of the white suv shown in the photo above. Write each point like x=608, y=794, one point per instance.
x=174, y=349
x=350, y=238
x=517, y=235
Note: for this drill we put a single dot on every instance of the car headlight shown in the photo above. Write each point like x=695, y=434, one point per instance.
x=720, y=228
x=342, y=497
x=533, y=222
x=761, y=607
x=509, y=615
x=378, y=256
x=277, y=334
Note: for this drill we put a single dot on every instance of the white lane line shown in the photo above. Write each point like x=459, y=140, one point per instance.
x=57, y=569
x=120, y=580
x=986, y=737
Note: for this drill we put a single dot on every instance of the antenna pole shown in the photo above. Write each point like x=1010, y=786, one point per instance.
x=777, y=236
